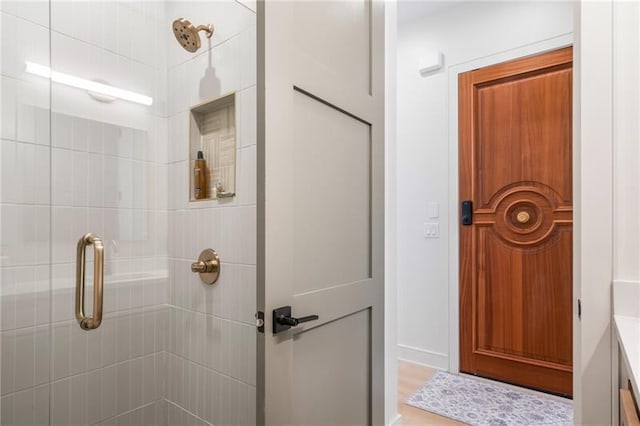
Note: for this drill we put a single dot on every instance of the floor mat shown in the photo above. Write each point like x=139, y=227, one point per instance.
x=480, y=402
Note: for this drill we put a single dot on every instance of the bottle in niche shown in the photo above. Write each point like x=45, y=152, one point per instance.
x=200, y=177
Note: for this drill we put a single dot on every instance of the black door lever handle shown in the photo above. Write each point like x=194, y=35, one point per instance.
x=286, y=320
x=282, y=319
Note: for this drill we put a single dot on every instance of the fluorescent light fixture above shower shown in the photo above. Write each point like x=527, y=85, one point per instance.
x=88, y=85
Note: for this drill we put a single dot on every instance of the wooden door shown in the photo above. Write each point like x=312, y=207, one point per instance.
x=516, y=256
x=320, y=212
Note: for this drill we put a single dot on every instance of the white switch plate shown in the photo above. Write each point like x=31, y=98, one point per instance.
x=432, y=230
x=433, y=210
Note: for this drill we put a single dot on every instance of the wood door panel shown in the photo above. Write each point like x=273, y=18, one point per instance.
x=519, y=304
x=517, y=110
x=516, y=258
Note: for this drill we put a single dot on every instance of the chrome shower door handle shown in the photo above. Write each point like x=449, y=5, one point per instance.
x=89, y=323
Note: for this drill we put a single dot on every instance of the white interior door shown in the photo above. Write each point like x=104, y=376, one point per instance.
x=320, y=212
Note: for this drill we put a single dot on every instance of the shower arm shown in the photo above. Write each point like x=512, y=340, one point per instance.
x=208, y=29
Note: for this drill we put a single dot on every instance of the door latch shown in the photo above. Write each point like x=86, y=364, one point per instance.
x=282, y=319
x=260, y=321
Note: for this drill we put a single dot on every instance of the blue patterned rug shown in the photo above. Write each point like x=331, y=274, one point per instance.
x=481, y=402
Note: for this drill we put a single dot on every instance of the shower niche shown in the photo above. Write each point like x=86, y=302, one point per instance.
x=212, y=149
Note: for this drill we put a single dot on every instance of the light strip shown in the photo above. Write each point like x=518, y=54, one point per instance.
x=91, y=86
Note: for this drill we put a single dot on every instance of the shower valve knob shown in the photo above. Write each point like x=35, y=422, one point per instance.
x=208, y=266
x=200, y=266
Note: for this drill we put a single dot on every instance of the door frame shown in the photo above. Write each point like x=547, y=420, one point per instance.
x=454, y=232
x=594, y=385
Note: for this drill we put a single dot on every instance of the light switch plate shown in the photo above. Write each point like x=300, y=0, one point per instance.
x=433, y=210
x=431, y=230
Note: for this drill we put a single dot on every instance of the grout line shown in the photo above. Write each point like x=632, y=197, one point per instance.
x=187, y=411
x=101, y=421
x=229, y=320
x=213, y=370
x=115, y=364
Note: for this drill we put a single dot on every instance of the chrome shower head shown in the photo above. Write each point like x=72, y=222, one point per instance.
x=187, y=34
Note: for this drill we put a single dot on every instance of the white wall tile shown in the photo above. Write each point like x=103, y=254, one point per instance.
x=94, y=396
x=23, y=407
x=7, y=362
x=123, y=29
x=17, y=106
x=62, y=132
x=37, y=12
x=135, y=382
x=123, y=337
x=63, y=184
x=8, y=299
x=81, y=172
x=61, y=340
x=60, y=402
x=78, y=400
x=79, y=350
x=32, y=46
x=109, y=341
x=18, y=177
x=109, y=391
x=41, y=405
x=123, y=386
x=25, y=297
x=246, y=104
x=19, y=236
x=246, y=173
x=41, y=171
x=6, y=409
x=25, y=353
x=43, y=354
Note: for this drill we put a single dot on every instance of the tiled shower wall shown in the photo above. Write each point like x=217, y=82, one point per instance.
x=211, y=346
x=170, y=350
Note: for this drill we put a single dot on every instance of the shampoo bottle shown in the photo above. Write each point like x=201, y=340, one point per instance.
x=200, y=177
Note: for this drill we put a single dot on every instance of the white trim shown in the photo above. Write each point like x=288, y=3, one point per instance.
x=592, y=219
x=423, y=357
x=397, y=420
x=391, y=249
x=453, y=71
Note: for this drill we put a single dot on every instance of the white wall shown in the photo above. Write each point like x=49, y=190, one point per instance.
x=464, y=32
x=626, y=92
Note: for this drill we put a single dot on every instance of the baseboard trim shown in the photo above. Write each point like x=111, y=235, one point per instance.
x=426, y=357
x=397, y=421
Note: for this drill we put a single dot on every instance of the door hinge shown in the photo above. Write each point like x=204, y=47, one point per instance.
x=579, y=309
x=260, y=321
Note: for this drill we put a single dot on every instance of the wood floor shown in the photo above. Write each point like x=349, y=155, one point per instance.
x=410, y=378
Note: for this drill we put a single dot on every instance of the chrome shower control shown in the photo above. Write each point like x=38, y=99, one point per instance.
x=208, y=266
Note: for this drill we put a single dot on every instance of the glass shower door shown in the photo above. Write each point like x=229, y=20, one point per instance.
x=82, y=153
x=94, y=150
x=105, y=169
